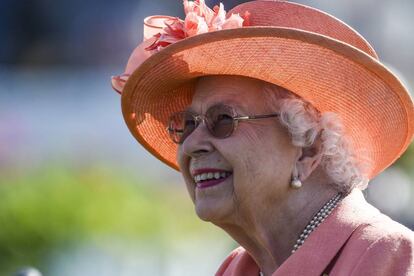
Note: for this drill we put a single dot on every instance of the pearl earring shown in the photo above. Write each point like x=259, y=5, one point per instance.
x=295, y=182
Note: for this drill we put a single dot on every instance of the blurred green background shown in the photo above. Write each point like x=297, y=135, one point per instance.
x=78, y=195
x=56, y=210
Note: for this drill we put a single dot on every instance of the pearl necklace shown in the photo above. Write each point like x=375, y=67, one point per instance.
x=315, y=221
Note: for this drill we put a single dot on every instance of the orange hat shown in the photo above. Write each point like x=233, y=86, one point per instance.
x=302, y=49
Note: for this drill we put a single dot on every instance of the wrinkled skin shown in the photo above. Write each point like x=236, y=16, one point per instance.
x=259, y=153
x=256, y=205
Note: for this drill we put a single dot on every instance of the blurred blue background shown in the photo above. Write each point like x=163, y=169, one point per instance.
x=79, y=196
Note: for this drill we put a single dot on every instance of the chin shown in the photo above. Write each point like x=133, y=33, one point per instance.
x=212, y=212
x=206, y=214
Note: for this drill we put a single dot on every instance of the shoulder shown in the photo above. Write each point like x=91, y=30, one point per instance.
x=238, y=261
x=382, y=247
x=231, y=258
x=371, y=226
x=234, y=255
x=384, y=231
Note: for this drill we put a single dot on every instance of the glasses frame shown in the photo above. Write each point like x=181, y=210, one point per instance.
x=200, y=118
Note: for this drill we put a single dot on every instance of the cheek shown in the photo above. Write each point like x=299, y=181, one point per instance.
x=189, y=185
x=264, y=160
x=183, y=163
x=242, y=153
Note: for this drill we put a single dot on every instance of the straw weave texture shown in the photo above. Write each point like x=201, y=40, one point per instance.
x=337, y=73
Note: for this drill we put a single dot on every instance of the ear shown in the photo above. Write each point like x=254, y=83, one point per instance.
x=308, y=160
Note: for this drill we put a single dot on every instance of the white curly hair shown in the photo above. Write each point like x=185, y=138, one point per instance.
x=306, y=125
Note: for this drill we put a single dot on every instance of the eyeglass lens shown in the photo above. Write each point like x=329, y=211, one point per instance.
x=218, y=119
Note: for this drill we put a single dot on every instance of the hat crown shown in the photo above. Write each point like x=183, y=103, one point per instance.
x=291, y=15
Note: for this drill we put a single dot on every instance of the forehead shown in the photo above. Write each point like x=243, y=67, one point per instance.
x=244, y=93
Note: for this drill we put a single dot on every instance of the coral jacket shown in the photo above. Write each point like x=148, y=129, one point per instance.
x=356, y=239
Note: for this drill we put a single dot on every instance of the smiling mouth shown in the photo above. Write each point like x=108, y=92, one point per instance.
x=211, y=178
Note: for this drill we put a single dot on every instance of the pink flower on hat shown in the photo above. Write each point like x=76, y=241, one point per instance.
x=118, y=82
x=199, y=19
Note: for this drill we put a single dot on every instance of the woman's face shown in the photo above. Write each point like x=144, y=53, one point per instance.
x=258, y=157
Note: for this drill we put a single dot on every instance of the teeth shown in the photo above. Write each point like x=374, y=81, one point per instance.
x=210, y=175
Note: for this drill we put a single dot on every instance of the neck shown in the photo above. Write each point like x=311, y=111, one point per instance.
x=269, y=233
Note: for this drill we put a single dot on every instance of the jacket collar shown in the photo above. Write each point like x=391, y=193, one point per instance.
x=324, y=243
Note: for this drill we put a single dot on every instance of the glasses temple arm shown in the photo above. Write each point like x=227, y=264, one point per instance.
x=252, y=117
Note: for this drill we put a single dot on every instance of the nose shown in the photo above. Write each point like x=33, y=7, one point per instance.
x=198, y=143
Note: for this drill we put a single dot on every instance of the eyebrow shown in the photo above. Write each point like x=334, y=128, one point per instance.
x=228, y=102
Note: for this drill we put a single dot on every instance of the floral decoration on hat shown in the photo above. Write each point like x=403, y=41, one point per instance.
x=118, y=82
x=199, y=19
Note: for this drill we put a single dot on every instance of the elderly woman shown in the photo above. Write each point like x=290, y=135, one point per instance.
x=277, y=115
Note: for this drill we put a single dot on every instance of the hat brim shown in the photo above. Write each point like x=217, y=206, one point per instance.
x=375, y=107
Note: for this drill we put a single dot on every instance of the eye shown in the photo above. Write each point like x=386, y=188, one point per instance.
x=224, y=119
x=222, y=126
x=181, y=124
x=188, y=122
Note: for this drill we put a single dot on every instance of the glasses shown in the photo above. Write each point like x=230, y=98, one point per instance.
x=220, y=120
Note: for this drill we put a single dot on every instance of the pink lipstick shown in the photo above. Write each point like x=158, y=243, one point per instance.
x=208, y=177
